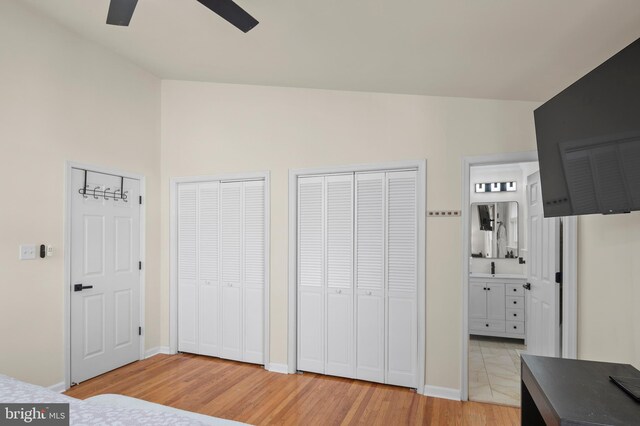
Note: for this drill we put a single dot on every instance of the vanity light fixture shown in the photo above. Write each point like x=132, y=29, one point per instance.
x=496, y=187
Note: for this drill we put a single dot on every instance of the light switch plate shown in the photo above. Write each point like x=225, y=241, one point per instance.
x=27, y=251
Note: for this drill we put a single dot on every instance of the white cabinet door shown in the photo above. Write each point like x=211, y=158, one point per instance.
x=187, y=269
x=477, y=300
x=495, y=301
x=402, y=275
x=311, y=276
x=370, y=276
x=340, y=345
x=231, y=248
x=254, y=271
x=208, y=267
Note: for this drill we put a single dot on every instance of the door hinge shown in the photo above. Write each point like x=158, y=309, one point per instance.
x=559, y=277
x=139, y=331
x=141, y=199
x=140, y=265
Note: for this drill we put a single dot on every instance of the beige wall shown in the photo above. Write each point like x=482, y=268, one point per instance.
x=213, y=128
x=609, y=288
x=62, y=98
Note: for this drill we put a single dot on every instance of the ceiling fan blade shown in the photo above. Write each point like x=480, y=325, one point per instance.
x=121, y=11
x=233, y=13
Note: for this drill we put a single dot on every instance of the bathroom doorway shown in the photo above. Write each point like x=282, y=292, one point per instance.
x=513, y=269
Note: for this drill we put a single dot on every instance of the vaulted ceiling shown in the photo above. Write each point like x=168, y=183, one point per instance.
x=500, y=49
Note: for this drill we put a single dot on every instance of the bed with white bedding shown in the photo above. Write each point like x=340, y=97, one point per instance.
x=116, y=410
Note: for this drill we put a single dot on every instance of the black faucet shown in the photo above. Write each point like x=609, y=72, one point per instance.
x=493, y=268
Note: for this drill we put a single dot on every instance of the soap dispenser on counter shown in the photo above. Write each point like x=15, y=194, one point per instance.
x=493, y=268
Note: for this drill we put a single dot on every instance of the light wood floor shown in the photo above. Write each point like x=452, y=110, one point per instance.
x=250, y=394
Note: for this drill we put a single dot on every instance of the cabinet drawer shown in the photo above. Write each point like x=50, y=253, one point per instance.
x=515, y=302
x=515, y=290
x=515, y=327
x=487, y=325
x=515, y=314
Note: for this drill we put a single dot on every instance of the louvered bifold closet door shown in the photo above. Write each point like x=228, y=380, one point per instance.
x=402, y=275
x=254, y=271
x=311, y=276
x=231, y=256
x=208, y=266
x=370, y=274
x=340, y=344
x=187, y=268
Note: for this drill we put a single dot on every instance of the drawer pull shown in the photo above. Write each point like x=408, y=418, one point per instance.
x=515, y=289
x=486, y=325
x=514, y=327
x=488, y=288
x=515, y=315
x=515, y=302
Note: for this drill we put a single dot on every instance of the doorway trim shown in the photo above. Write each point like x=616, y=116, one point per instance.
x=173, y=251
x=294, y=174
x=570, y=264
x=68, y=193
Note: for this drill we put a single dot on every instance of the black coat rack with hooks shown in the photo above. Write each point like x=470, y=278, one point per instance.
x=107, y=193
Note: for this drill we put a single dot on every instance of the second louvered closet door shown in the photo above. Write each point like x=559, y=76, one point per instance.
x=357, y=276
x=221, y=270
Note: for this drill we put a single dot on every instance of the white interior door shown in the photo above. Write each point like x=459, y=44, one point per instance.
x=340, y=347
x=402, y=279
x=208, y=237
x=232, y=294
x=543, y=301
x=253, y=236
x=188, y=323
x=311, y=274
x=105, y=251
x=370, y=276
x=221, y=269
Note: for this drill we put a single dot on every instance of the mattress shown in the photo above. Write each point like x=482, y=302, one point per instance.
x=116, y=410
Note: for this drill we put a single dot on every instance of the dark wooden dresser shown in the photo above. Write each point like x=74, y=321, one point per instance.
x=559, y=391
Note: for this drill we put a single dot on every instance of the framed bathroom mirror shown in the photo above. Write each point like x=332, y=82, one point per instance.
x=494, y=230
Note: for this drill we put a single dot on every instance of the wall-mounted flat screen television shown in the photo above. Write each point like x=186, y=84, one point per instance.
x=588, y=140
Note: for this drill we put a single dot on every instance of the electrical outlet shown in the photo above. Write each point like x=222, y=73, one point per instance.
x=27, y=251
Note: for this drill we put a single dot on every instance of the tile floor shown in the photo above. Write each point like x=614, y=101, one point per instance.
x=494, y=370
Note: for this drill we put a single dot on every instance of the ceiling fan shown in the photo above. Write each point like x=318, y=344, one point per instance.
x=120, y=12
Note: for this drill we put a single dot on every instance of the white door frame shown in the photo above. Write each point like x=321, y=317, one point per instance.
x=68, y=193
x=173, y=265
x=569, y=273
x=421, y=167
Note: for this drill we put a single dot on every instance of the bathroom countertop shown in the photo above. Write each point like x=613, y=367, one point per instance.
x=503, y=276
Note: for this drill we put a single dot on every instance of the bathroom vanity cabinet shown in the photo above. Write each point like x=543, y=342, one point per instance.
x=497, y=307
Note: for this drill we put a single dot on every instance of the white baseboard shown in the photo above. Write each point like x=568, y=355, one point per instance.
x=278, y=368
x=157, y=350
x=440, y=392
x=58, y=387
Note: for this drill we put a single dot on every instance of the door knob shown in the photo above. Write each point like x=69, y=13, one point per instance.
x=80, y=287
